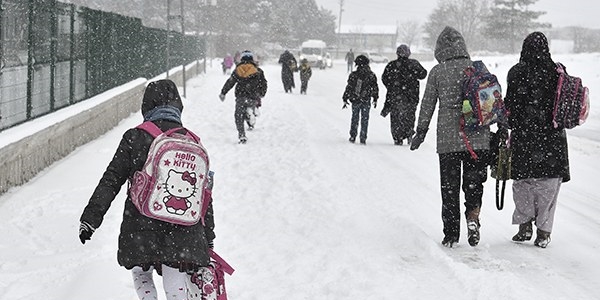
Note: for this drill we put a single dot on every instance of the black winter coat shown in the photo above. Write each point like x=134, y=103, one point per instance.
x=538, y=149
x=361, y=86
x=401, y=79
x=144, y=241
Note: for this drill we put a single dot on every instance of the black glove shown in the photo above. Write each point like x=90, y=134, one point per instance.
x=418, y=138
x=375, y=103
x=345, y=104
x=85, y=231
x=222, y=97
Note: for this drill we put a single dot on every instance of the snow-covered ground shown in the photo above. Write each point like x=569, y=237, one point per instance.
x=303, y=214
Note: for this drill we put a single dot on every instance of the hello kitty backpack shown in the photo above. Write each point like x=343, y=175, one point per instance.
x=173, y=185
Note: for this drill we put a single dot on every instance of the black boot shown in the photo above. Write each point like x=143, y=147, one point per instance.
x=542, y=239
x=525, y=232
x=449, y=241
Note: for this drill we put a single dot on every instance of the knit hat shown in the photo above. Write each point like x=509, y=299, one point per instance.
x=361, y=60
x=247, y=56
x=403, y=51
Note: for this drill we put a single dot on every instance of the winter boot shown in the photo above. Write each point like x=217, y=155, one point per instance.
x=543, y=239
x=473, y=227
x=473, y=232
x=449, y=241
x=243, y=139
x=250, y=117
x=525, y=232
x=352, y=139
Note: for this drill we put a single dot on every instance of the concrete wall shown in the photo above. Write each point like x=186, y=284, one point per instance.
x=23, y=159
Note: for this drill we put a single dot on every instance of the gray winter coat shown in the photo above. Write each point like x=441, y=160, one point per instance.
x=444, y=84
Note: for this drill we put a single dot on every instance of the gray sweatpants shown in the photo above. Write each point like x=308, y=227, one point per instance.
x=535, y=199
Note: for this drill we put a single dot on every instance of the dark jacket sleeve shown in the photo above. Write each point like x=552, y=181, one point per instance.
x=419, y=71
x=116, y=174
x=209, y=224
x=229, y=84
x=262, y=84
x=348, y=92
x=374, y=87
x=387, y=77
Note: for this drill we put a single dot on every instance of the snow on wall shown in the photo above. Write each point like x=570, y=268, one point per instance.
x=27, y=149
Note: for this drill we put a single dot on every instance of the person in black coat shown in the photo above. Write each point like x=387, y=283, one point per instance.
x=540, y=161
x=144, y=243
x=350, y=60
x=361, y=87
x=289, y=65
x=401, y=78
x=250, y=86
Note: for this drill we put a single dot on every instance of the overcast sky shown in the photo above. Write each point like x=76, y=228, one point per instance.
x=387, y=12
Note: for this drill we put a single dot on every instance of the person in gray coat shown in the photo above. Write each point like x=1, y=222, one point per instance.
x=444, y=86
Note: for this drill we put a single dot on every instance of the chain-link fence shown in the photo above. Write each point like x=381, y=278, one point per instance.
x=55, y=54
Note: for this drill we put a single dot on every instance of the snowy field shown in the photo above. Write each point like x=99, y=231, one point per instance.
x=303, y=214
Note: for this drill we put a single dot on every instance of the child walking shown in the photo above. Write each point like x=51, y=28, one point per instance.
x=305, y=74
x=361, y=87
x=146, y=244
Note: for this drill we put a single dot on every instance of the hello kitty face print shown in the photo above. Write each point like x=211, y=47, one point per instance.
x=180, y=187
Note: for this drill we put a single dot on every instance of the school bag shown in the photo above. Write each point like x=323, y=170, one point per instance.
x=208, y=283
x=173, y=185
x=572, y=103
x=482, y=101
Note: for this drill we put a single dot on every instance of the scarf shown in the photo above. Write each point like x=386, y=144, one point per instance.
x=164, y=112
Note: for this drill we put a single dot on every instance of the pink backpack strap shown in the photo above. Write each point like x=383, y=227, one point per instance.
x=224, y=265
x=150, y=128
x=153, y=130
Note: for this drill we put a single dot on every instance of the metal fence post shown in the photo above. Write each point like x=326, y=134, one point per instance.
x=53, y=46
x=30, y=61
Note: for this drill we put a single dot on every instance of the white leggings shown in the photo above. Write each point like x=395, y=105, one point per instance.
x=174, y=283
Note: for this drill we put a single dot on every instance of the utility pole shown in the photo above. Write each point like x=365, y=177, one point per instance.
x=181, y=20
x=339, y=37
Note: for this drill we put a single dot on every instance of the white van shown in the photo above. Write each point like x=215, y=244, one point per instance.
x=314, y=51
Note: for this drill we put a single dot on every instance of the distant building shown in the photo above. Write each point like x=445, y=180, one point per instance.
x=381, y=39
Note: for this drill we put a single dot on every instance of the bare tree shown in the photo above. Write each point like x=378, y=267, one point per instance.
x=408, y=32
x=466, y=16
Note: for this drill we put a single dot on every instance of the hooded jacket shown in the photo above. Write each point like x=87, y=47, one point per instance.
x=249, y=81
x=444, y=85
x=538, y=149
x=144, y=241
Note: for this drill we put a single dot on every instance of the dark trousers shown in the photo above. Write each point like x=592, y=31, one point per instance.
x=303, y=85
x=402, y=121
x=360, y=110
x=241, y=104
x=474, y=174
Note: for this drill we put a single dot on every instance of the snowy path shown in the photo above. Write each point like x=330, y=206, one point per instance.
x=303, y=214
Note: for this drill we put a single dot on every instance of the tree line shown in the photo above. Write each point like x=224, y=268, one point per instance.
x=495, y=25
